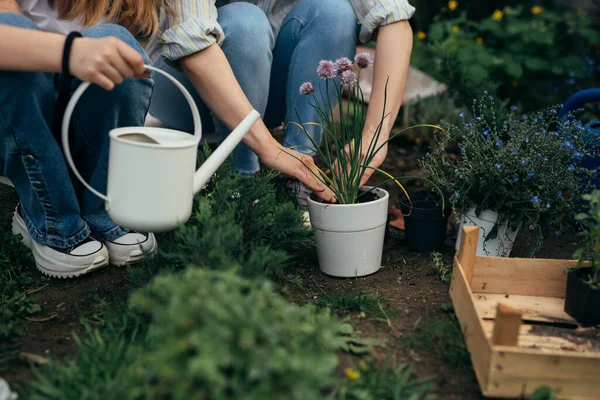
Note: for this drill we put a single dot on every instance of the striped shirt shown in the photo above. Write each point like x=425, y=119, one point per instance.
x=193, y=24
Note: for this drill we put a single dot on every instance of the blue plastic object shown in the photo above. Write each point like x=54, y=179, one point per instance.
x=592, y=129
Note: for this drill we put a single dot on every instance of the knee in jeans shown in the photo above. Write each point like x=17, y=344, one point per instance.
x=247, y=28
x=118, y=31
x=336, y=16
x=17, y=20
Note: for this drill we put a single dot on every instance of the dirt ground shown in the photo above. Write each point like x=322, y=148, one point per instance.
x=413, y=293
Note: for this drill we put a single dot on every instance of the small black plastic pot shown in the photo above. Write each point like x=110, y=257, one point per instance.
x=425, y=224
x=582, y=302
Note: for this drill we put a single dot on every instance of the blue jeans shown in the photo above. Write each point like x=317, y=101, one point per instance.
x=269, y=71
x=57, y=211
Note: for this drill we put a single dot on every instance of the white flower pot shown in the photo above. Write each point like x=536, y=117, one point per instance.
x=500, y=246
x=350, y=236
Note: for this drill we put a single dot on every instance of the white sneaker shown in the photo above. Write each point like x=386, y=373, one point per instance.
x=77, y=260
x=131, y=248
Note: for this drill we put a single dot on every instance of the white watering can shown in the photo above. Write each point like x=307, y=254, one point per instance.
x=151, y=171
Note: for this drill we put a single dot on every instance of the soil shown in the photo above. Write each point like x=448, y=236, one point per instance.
x=413, y=292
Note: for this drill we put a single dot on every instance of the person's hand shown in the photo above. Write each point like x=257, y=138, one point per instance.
x=377, y=160
x=296, y=165
x=105, y=61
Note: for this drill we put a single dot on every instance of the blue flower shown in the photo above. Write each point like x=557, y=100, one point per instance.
x=498, y=165
x=571, y=168
x=516, y=179
x=478, y=118
x=457, y=195
x=513, y=108
x=553, y=111
x=547, y=205
x=491, y=97
x=485, y=92
x=540, y=155
x=578, y=155
x=569, y=144
x=498, y=143
x=515, y=121
x=515, y=151
x=485, y=133
x=536, y=199
x=545, y=158
x=530, y=175
x=526, y=140
x=559, y=195
x=462, y=115
x=554, y=133
x=557, y=233
x=524, y=162
x=468, y=125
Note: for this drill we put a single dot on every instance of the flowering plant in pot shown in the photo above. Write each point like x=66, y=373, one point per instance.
x=350, y=233
x=522, y=171
x=582, y=299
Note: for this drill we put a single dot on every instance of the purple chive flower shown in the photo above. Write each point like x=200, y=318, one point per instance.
x=306, y=88
x=348, y=78
x=342, y=64
x=498, y=165
x=326, y=69
x=363, y=60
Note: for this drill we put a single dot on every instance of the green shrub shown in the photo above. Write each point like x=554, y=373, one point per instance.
x=215, y=335
x=533, y=53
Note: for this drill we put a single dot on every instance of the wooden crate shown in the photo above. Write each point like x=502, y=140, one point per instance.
x=502, y=304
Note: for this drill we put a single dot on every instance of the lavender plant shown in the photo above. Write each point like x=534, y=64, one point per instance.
x=528, y=168
x=344, y=153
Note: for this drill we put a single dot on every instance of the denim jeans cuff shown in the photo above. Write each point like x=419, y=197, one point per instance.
x=112, y=234
x=48, y=239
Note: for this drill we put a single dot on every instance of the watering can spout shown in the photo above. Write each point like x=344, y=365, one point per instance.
x=210, y=166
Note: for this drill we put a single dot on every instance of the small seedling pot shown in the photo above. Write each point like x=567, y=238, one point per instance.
x=500, y=246
x=582, y=302
x=350, y=237
x=425, y=223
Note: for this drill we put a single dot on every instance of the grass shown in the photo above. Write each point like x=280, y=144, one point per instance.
x=390, y=381
x=15, y=300
x=343, y=301
x=444, y=338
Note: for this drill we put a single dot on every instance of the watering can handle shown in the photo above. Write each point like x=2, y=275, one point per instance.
x=77, y=95
x=578, y=99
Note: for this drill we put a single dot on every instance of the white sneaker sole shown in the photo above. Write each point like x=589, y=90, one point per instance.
x=52, y=267
x=133, y=258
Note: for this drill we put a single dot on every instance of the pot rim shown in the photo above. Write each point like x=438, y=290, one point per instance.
x=359, y=205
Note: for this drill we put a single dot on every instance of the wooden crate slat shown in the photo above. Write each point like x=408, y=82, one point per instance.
x=528, y=340
x=520, y=276
x=471, y=325
x=534, y=308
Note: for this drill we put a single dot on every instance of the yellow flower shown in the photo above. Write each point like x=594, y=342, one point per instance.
x=455, y=29
x=352, y=374
x=421, y=35
x=452, y=4
x=497, y=15
x=535, y=10
x=479, y=40
x=363, y=365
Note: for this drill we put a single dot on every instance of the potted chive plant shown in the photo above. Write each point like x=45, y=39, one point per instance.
x=350, y=233
x=506, y=172
x=582, y=298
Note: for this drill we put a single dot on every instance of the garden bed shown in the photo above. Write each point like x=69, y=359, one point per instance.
x=512, y=315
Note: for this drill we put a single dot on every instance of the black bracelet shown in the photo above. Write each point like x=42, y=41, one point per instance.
x=64, y=86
